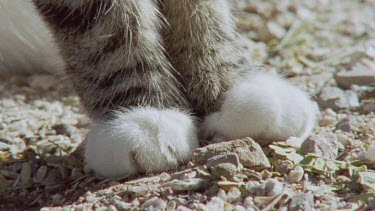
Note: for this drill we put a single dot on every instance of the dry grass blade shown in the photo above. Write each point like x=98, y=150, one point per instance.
x=40, y=174
x=25, y=173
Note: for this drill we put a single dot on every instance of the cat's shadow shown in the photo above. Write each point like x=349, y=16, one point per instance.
x=35, y=86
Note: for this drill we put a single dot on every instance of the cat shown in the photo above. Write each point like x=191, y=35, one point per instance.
x=157, y=76
x=25, y=42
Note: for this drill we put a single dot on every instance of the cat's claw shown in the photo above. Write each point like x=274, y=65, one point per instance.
x=140, y=140
x=263, y=106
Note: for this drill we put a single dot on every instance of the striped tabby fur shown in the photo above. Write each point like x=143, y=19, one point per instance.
x=145, y=70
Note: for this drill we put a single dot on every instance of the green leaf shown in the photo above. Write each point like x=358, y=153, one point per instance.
x=25, y=173
x=332, y=165
x=309, y=161
x=296, y=158
x=362, y=168
x=320, y=163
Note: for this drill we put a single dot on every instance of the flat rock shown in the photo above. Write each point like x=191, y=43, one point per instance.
x=337, y=99
x=359, y=76
x=188, y=184
x=346, y=124
x=284, y=166
x=226, y=170
x=219, y=159
x=249, y=152
x=154, y=204
x=273, y=187
x=322, y=144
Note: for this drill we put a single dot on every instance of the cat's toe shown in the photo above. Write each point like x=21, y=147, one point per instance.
x=140, y=140
x=263, y=106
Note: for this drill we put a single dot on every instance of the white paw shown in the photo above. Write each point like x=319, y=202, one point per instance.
x=263, y=106
x=140, y=140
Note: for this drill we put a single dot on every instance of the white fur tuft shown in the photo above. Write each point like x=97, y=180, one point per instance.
x=25, y=42
x=141, y=140
x=263, y=106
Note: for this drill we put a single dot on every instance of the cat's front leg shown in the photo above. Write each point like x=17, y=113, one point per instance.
x=236, y=97
x=116, y=64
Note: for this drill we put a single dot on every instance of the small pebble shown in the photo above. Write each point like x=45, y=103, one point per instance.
x=274, y=187
x=360, y=75
x=154, y=204
x=215, y=204
x=336, y=98
x=91, y=199
x=296, y=174
x=240, y=208
x=226, y=170
x=234, y=195
x=284, y=166
x=248, y=202
x=182, y=208
x=219, y=159
x=111, y=208
x=136, y=202
x=370, y=153
x=322, y=144
x=222, y=195
x=122, y=205
x=302, y=201
x=4, y=146
x=171, y=206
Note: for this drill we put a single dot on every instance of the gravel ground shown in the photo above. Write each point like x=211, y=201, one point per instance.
x=325, y=47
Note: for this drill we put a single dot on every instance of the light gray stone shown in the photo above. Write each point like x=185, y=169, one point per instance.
x=284, y=166
x=296, y=174
x=187, y=185
x=226, y=170
x=234, y=195
x=249, y=152
x=255, y=189
x=358, y=76
x=215, y=203
x=322, y=144
x=273, y=187
x=4, y=146
x=346, y=124
x=171, y=206
x=154, y=204
x=337, y=99
x=228, y=158
x=302, y=201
